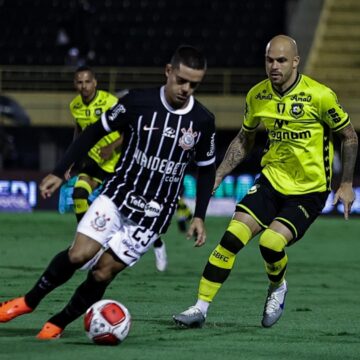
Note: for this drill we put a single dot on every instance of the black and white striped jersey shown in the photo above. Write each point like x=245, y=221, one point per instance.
x=159, y=142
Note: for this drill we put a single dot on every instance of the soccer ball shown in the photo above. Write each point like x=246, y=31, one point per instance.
x=107, y=322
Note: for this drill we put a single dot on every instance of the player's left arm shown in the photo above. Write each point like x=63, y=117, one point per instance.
x=349, y=147
x=204, y=186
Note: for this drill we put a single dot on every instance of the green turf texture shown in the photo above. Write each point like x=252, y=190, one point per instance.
x=321, y=318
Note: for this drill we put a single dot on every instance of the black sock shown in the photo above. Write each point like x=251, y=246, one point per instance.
x=57, y=273
x=158, y=243
x=89, y=292
x=79, y=217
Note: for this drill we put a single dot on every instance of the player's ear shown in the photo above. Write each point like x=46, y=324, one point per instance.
x=168, y=69
x=296, y=61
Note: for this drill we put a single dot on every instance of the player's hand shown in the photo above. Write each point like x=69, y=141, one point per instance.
x=346, y=195
x=49, y=185
x=197, y=230
x=218, y=180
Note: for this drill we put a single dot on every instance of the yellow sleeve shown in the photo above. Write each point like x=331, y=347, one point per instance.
x=332, y=112
x=250, y=121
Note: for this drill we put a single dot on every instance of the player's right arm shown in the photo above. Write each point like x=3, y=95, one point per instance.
x=112, y=120
x=76, y=151
x=237, y=151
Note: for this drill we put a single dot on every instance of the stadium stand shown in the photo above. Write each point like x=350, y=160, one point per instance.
x=136, y=33
x=335, y=55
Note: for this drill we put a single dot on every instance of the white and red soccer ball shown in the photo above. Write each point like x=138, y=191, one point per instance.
x=107, y=322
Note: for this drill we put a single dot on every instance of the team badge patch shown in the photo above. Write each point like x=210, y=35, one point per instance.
x=297, y=110
x=99, y=223
x=187, y=141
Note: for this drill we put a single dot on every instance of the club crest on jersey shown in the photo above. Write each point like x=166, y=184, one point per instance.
x=98, y=111
x=297, y=110
x=99, y=223
x=187, y=141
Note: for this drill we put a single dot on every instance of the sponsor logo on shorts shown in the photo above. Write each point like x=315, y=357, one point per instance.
x=132, y=248
x=304, y=211
x=253, y=189
x=100, y=221
x=138, y=203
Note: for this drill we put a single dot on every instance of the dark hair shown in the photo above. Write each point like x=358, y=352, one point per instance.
x=189, y=56
x=85, y=68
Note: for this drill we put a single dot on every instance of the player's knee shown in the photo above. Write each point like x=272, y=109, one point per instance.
x=78, y=257
x=103, y=274
x=236, y=236
x=272, y=240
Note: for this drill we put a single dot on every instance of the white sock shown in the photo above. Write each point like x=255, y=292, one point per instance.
x=203, y=306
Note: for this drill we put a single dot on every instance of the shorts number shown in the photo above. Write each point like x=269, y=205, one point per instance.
x=143, y=236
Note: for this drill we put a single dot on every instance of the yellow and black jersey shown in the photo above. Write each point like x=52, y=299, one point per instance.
x=87, y=114
x=299, y=123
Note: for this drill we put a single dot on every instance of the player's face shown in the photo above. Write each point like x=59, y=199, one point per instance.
x=181, y=84
x=85, y=85
x=281, y=66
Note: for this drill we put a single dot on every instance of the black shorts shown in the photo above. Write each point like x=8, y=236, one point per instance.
x=296, y=212
x=91, y=168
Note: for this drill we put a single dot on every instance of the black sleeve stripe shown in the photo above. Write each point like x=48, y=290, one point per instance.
x=248, y=128
x=342, y=125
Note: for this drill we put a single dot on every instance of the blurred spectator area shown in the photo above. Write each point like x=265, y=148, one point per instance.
x=128, y=42
x=137, y=32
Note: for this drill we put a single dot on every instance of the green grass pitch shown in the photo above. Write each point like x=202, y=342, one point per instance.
x=321, y=318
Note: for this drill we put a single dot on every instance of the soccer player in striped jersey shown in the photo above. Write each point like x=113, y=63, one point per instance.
x=164, y=130
x=300, y=116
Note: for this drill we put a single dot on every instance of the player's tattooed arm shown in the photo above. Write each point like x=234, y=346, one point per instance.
x=349, y=146
x=237, y=151
x=348, y=152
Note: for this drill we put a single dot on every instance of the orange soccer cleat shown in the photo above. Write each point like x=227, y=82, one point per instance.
x=13, y=308
x=49, y=332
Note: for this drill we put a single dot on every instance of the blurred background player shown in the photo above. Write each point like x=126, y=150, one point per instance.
x=183, y=217
x=86, y=109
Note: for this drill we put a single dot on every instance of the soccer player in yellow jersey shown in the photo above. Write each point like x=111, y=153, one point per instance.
x=300, y=116
x=86, y=108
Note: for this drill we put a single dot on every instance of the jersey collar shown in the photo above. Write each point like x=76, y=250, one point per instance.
x=168, y=107
x=92, y=100
x=290, y=88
